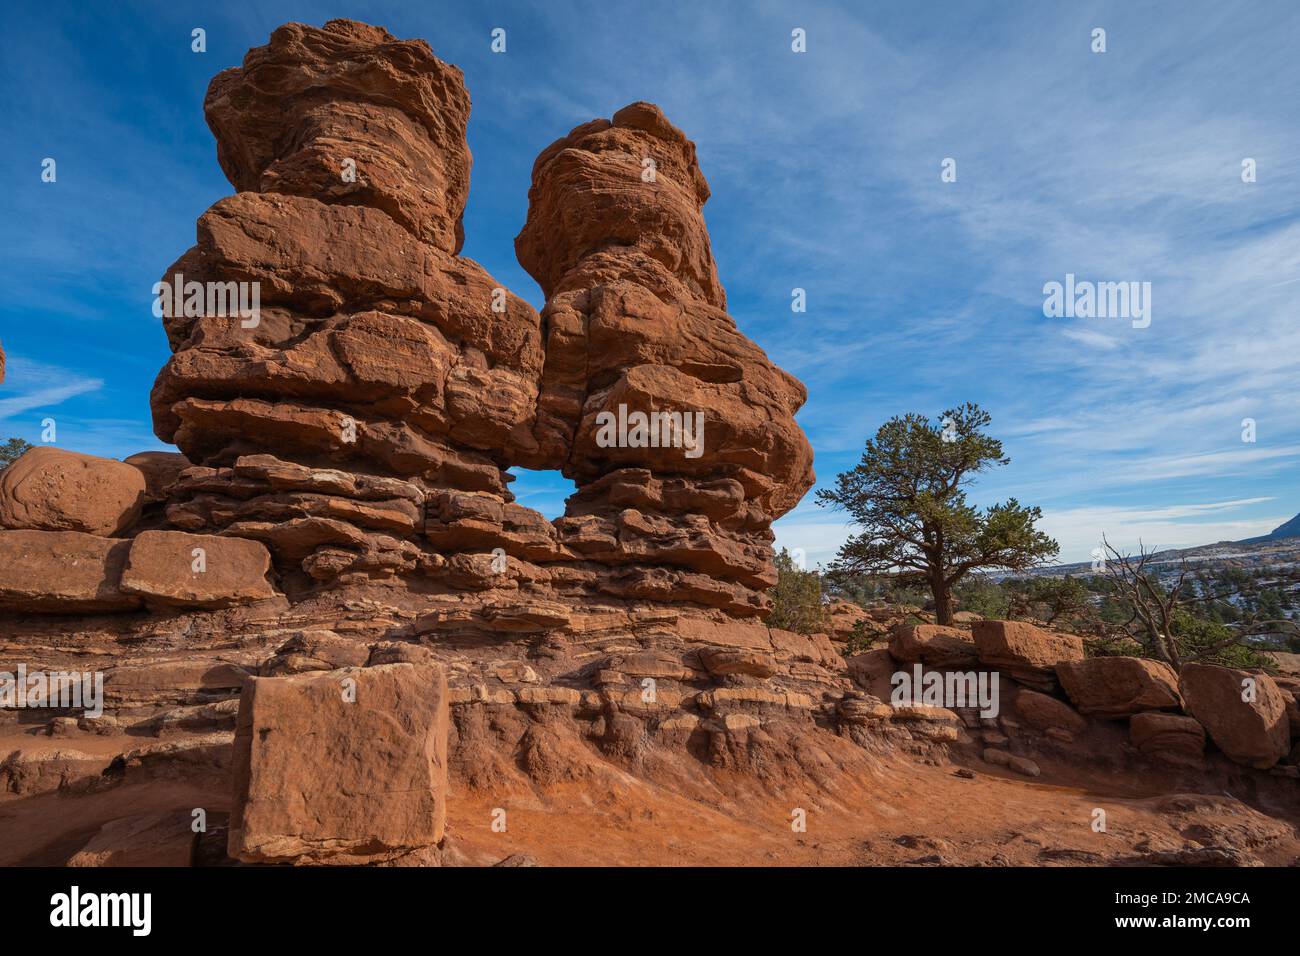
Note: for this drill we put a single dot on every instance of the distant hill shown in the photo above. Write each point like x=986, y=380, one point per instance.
x=1279, y=548
x=1289, y=530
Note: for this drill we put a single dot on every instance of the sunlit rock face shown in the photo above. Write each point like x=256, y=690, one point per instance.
x=359, y=423
x=678, y=430
x=331, y=615
x=380, y=365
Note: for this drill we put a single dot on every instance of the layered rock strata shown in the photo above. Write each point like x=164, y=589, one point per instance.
x=363, y=425
x=341, y=513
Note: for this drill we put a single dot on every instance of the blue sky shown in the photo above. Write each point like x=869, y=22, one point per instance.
x=825, y=170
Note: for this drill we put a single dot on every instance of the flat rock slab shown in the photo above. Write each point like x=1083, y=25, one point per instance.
x=1119, y=686
x=176, y=569
x=943, y=648
x=1027, y=653
x=151, y=839
x=193, y=680
x=320, y=778
x=62, y=572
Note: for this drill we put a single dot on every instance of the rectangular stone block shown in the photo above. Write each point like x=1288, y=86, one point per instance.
x=1028, y=654
x=344, y=766
x=176, y=569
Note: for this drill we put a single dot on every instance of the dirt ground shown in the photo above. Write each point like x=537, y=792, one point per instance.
x=891, y=809
x=905, y=813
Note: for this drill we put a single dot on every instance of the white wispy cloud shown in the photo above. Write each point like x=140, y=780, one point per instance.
x=39, y=386
x=1089, y=337
x=825, y=174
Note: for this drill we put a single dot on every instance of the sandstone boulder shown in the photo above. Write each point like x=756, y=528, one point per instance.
x=1026, y=653
x=843, y=617
x=1002, y=758
x=1257, y=732
x=161, y=469
x=315, y=650
x=935, y=646
x=50, y=489
x=721, y=661
x=873, y=671
x=1045, y=713
x=28, y=772
x=62, y=572
x=1171, y=737
x=343, y=766
x=1119, y=686
x=175, y=569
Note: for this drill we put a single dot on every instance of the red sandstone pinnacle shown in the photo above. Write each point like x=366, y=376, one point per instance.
x=635, y=317
x=636, y=331
x=376, y=346
x=378, y=352
x=299, y=108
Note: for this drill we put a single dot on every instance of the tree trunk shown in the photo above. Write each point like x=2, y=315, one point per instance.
x=942, y=598
x=1162, y=647
x=1170, y=648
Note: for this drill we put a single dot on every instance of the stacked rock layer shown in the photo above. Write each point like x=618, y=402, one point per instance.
x=340, y=531
x=361, y=424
